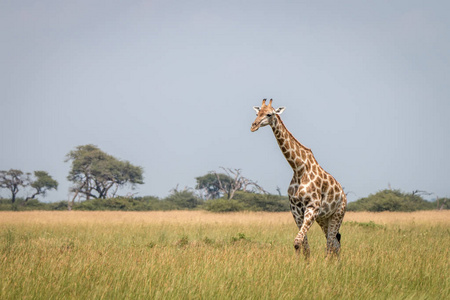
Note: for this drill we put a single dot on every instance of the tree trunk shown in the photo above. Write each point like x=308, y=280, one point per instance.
x=32, y=197
x=14, y=191
x=70, y=203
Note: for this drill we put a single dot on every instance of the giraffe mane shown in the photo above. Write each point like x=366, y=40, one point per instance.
x=292, y=136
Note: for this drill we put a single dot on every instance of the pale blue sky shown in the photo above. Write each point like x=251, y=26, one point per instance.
x=170, y=85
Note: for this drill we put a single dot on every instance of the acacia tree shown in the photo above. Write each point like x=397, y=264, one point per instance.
x=43, y=183
x=99, y=175
x=216, y=184
x=213, y=184
x=13, y=180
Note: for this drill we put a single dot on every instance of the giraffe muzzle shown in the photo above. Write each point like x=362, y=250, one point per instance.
x=255, y=126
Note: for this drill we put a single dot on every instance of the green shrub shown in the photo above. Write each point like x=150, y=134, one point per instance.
x=5, y=204
x=154, y=203
x=223, y=205
x=61, y=205
x=34, y=204
x=249, y=201
x=183, y=200
x=146, y=203
x=21, y=205
x=261, y=202
x=390, y=200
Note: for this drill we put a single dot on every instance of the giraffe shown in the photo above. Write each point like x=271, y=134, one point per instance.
x=314, y=194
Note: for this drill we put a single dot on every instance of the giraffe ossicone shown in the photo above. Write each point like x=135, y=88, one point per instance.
x=314, y=194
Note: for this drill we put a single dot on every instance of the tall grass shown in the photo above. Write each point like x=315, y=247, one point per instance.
x=192, y=255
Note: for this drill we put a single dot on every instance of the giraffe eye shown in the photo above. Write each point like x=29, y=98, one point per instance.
x=269, y=115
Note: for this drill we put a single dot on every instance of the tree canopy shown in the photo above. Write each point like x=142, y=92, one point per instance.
x=99, y=175
x=43, y=183
x=13, y=180
x=215, y=185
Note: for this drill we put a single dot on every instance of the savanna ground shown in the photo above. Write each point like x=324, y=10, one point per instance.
x=201, y=255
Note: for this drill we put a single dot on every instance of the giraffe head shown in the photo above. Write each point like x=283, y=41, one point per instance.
x=265, y=115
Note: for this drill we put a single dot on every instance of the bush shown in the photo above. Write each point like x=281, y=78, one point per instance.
x=21, y=205
x=61, y=205
x=5, y=204
x=223, y=205
x=260, y=202
x=34, y=204
x=125, y=204
x=249, y=201
x=390, y=200
x=183, y=200
x=154, y=203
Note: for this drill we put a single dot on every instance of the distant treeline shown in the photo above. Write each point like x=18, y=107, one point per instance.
x=97, y=178
x=177, y=200
x=385, y=200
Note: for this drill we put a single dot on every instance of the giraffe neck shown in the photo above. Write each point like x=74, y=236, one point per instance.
x=299, y=157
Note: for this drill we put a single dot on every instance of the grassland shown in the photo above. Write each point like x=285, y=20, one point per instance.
x=200, y=255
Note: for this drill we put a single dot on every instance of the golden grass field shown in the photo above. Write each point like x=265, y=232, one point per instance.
x=201, y=255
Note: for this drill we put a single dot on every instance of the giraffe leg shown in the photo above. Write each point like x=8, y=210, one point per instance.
x=334, y=237
x=310, y=215
x=306, y=251
x=333, y=245
x=298, y=214
x=323, y=223
x=305, y=247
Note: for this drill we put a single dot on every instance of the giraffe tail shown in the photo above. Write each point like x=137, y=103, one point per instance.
x=338, y=236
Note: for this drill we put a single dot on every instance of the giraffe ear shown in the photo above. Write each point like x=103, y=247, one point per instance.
x=256, y=108
x=280, y=110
